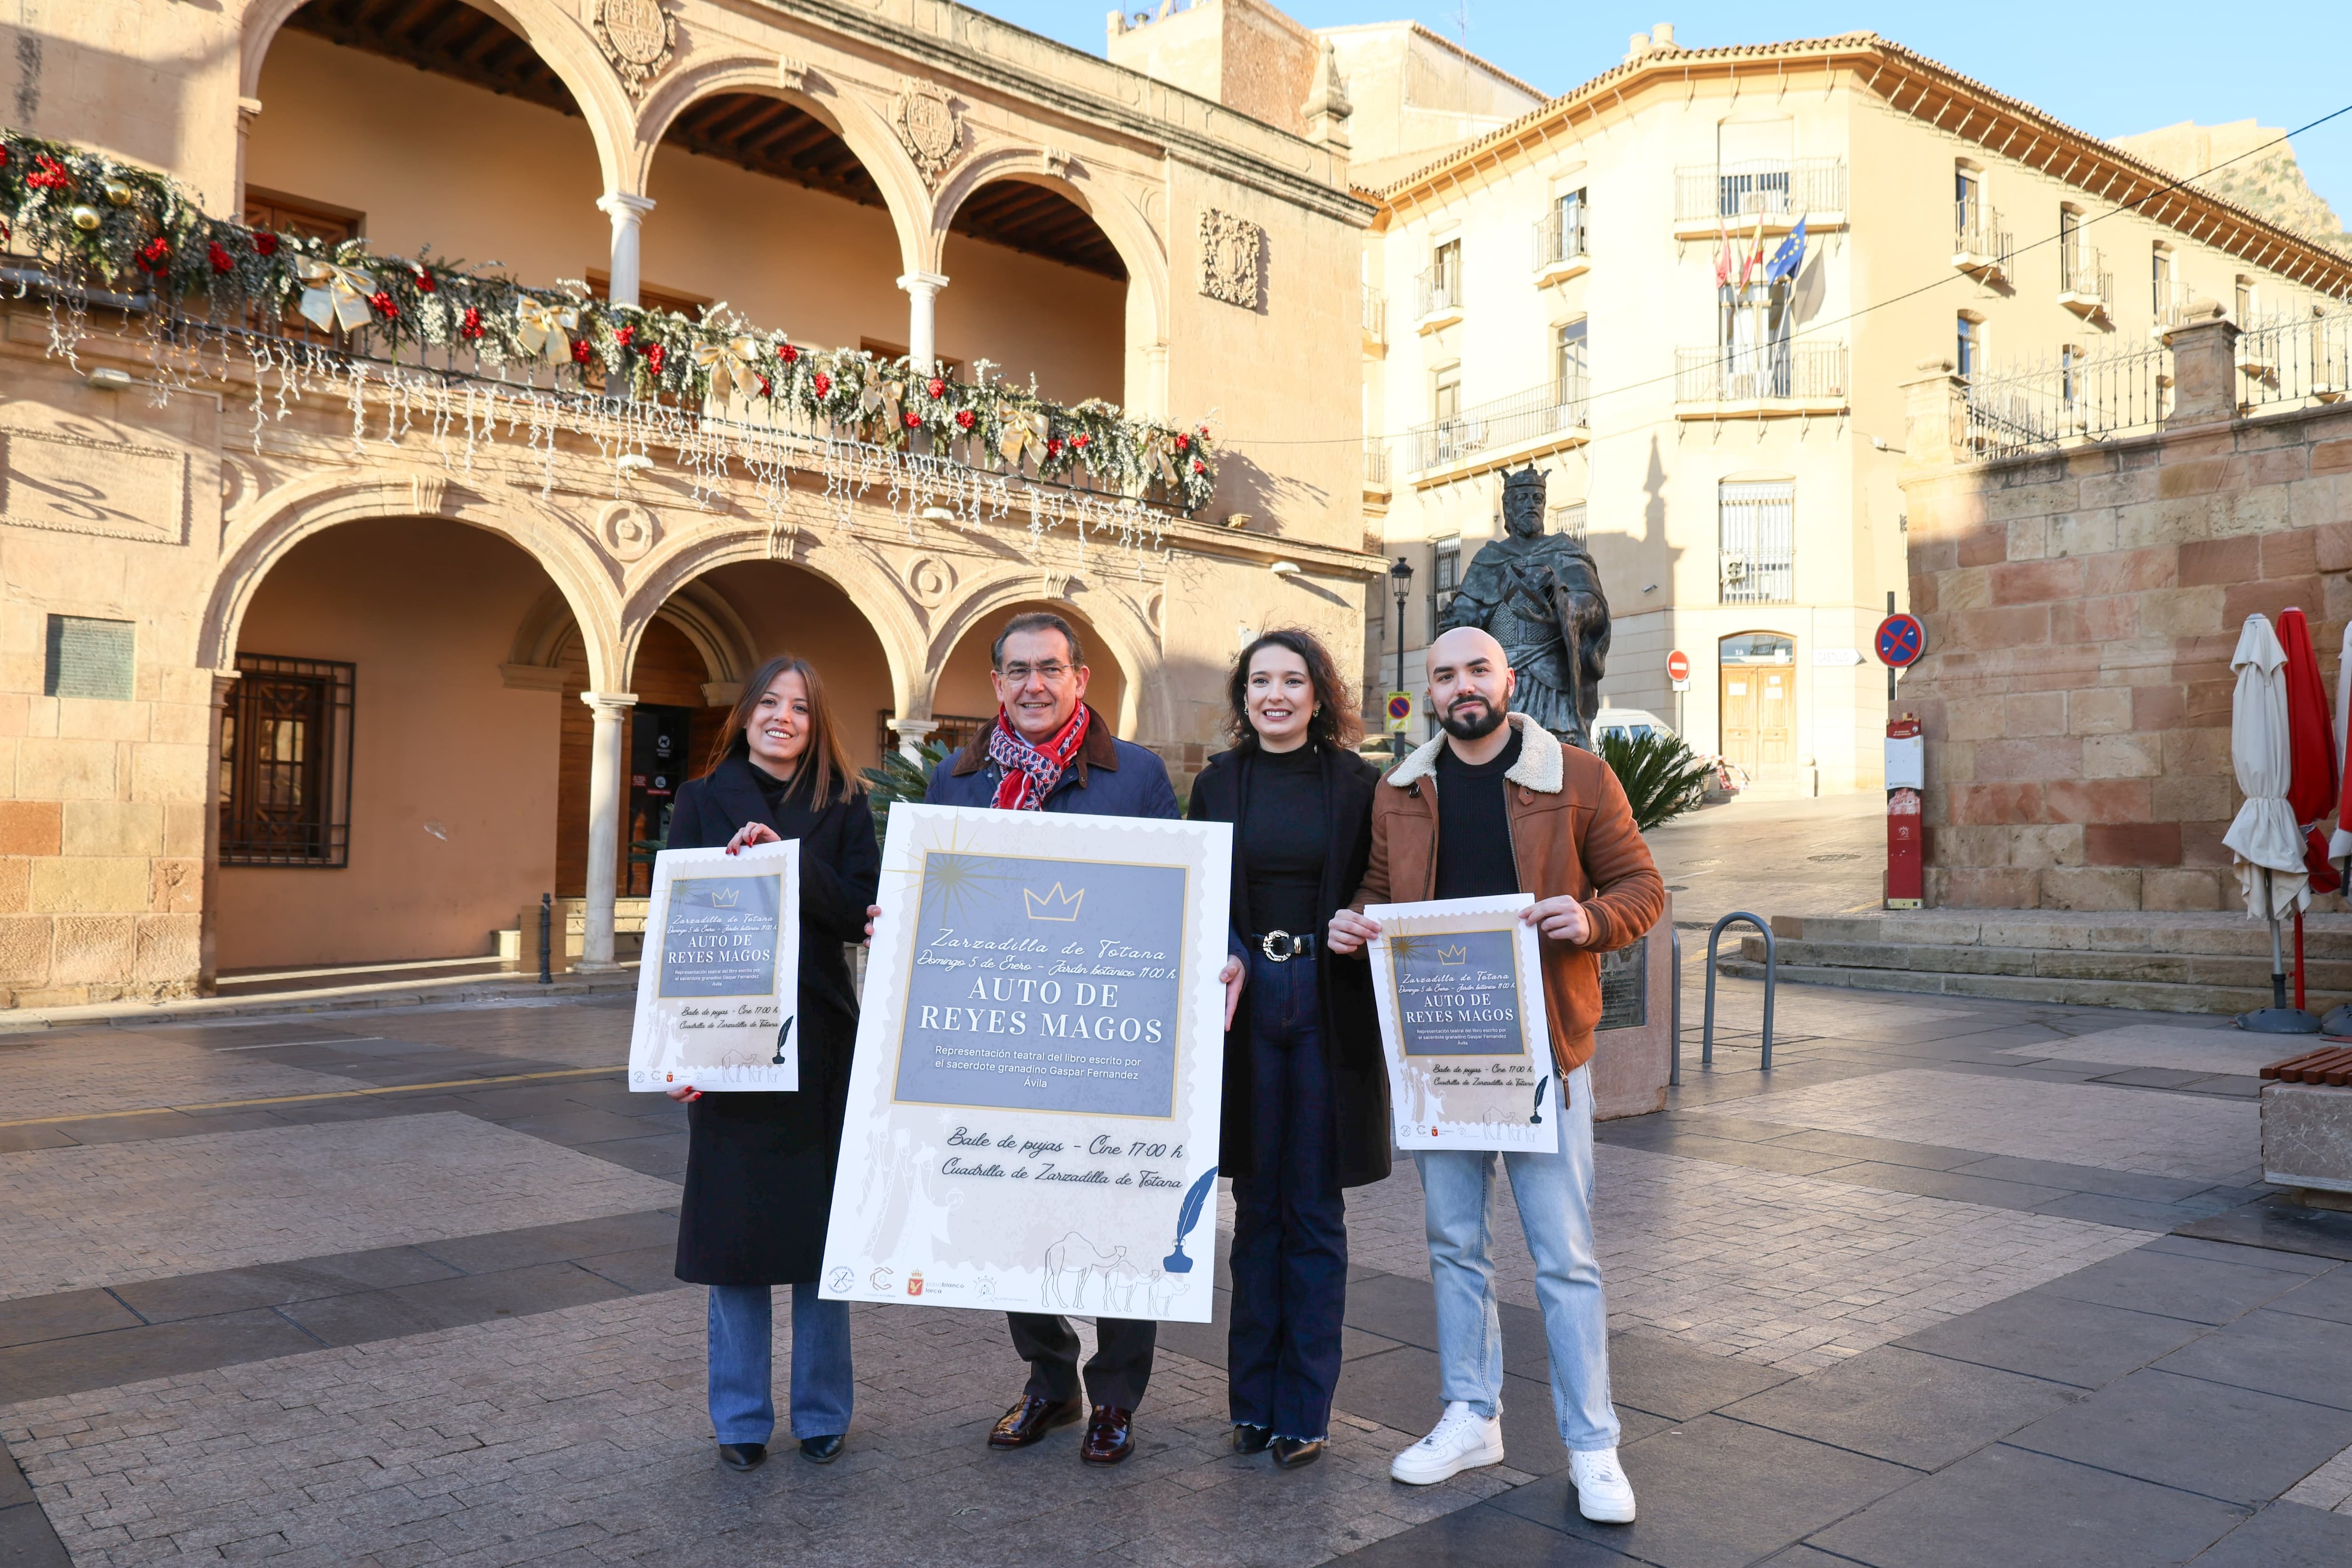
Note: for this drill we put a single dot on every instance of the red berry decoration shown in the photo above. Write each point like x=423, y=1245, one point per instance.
x=1053, y=445
x=966, y=419
x=265, y=244
x=655, y=355
x=155, y=255
x=1199, y=466
x=425, y=284
x=580, y=351
x=767, y=387
x=913, y=419
x=384, y=306
x=220, y=260
x=49, y=174
x=623, y=335
x=470, y=328
x=1080, y=441
x=936, y=387
x=823, y=383
x=786, y=352
x=1183, y=442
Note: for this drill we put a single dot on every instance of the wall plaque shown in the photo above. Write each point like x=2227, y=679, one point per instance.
x=1233, y=252
x=637, y=36
x=69, y=484
x=1625, y=987
x=929, y=127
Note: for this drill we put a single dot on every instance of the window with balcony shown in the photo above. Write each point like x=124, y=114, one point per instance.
x=1968, y=345
x=1445, y=396
x=1981, y=247
x=1568, y=520
x=286, y=764
x=2167, y=300
x=1441, y=286
x=1561, y=234
x=1571, y=368
x=2245, y=303
x=2084, y=285
x=1757, y=547
x=1444, y=578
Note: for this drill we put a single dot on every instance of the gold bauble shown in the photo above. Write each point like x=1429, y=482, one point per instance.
x=85, y=217
x=119, y=193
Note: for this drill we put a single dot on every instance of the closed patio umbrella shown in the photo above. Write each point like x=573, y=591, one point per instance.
x=2265, y=837
x=2311, y=746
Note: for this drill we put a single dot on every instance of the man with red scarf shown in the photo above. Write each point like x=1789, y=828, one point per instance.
x=1048, y=751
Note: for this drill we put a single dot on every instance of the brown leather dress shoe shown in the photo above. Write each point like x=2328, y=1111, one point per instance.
x=1030, y=1420
x=1110, y=1436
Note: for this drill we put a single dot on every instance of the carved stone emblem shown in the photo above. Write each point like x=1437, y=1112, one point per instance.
x=627, y=530
x=1232, y=250
x=929, y=127
x=638, y=37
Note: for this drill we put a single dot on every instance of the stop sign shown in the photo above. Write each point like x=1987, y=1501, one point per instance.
x=1678, y=666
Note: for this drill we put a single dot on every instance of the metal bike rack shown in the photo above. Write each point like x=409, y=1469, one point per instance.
x=1674, y=1008
x=1706, y=1033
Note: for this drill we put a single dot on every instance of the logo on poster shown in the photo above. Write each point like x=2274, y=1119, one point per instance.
x=915, y=1283
x=1055, y=905
x=879, y=1279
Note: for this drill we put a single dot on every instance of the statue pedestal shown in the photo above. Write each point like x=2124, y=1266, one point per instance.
x=1634, y=1043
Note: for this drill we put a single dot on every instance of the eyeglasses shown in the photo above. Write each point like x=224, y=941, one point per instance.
x=1051, y=672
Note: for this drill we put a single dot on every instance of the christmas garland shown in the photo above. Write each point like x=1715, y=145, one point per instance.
x=82, y=216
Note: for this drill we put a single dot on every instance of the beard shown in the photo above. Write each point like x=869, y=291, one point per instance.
x=1488, y=719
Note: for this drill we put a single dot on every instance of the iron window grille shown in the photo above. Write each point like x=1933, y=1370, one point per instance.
x=1758, y=542
x=286, y=764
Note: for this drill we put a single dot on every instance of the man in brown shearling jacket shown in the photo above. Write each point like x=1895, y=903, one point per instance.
x=1497, y=806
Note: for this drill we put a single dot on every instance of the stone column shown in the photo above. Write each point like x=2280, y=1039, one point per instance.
x=1155, y=379
x=628, y=215
x=207, y=971
x=922, y=320
x=912, y=733
x=248, y=110
x=2204, y=366
x=1935, y=423
x=611, y=710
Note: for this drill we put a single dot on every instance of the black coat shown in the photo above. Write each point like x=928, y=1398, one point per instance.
x=759, y=1165
x=1351, y=1023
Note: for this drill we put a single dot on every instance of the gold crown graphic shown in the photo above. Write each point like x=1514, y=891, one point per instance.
x=724, y=898
x=1457, y=953
x=1053, y=906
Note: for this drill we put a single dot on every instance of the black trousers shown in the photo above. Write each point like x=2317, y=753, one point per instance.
x=1116, y=1373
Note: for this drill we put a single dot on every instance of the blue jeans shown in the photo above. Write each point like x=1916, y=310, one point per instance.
x=1290, y=1223
x=742, y=1358
x=1555, y=1197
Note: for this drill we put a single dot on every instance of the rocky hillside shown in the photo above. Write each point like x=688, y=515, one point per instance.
x=2268, y=183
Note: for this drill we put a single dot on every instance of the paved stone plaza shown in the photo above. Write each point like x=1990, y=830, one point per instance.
x=1953, y=1284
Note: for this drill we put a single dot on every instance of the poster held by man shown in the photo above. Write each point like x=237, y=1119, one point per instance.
x=1460, y=988
x=1034, y=1098
x=719, y=986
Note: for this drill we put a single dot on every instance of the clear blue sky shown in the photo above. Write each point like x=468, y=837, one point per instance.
x=2107, y=69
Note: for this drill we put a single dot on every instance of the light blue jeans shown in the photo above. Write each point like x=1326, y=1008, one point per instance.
x=1555, y=1197
x=742, y=1362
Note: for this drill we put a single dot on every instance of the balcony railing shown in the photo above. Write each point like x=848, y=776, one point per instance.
x=1376, y=317
x=2048, y=401
x=1560, y=238
x=1980, y=244
x=1376, y=464
x=2170, y=302
x=1772, y=187
x=2085, y=284
x=1439, y=290
x=2292, y=358
x=1554, y=408
x=1811, y=373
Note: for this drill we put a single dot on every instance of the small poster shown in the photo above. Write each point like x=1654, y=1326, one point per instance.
x=1034, y=1102
x=1460, y=984
x=718, y=990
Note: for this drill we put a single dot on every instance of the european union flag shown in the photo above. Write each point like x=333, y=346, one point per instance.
x=1790, y=257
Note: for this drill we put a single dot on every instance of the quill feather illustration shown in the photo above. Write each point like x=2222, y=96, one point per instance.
x=782, y=1035
x=1187, y=1216
x=1536, y=1119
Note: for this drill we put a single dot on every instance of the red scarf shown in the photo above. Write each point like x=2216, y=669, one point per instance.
x=1031, y=772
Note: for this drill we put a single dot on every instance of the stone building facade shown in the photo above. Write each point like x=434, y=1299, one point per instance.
x=2083, y=598
x=484, y=628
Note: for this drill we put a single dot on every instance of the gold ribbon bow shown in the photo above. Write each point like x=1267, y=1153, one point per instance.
x=545, y=328
x=335, y=294
x=730, y=360
x=1020, y=431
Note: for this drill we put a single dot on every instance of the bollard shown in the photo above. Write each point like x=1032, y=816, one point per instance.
x=1706, y=1029
x=1674, y=1009
x=546, y=938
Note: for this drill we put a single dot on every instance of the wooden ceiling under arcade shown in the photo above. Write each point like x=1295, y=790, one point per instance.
x=767, y=135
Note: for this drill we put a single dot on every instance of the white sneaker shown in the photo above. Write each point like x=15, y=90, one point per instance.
x=1603, y=1495
x=1462, y=1440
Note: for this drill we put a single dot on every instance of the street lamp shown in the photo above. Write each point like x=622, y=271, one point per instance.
x=1400, y=581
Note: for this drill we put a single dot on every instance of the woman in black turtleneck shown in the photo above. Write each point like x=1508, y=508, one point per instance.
x=1306, y=1109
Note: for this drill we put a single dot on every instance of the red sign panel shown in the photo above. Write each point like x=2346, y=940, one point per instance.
x=1678, y=666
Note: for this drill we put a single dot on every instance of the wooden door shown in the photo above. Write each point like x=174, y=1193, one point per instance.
x=1775, y=701
x=1740, y=699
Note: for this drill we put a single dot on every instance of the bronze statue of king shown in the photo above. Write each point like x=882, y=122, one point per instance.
x=1539, y=595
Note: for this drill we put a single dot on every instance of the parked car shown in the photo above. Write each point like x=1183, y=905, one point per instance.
x=1632, y=724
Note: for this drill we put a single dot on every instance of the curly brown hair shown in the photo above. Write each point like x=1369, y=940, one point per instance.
x=1336, y=722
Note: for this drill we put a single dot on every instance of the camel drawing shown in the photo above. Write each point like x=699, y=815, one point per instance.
x=1071, y=1263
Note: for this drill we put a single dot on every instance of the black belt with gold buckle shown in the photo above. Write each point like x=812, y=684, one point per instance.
x=1282, y=947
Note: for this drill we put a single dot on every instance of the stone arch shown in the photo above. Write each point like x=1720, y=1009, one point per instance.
x=847, y=114
x=1138, y=249
x=864, y=580
x=284, y=517
x=554, y=33
x=1117, y=624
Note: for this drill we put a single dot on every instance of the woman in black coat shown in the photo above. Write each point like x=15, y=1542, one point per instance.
x=759, y=1171
x=1307, y=1102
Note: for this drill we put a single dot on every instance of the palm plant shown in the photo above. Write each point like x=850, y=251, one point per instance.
x=1662, y=777
x=900, y=777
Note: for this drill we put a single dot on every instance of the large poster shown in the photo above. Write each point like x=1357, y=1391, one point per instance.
x=1033, y=1104
x=1460, y=984
x=719, y=992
